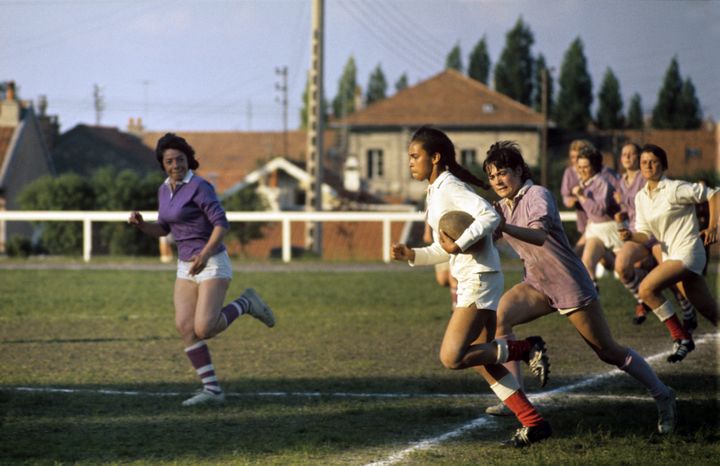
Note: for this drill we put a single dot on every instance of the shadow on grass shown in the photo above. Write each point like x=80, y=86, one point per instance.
x=92, y=427
x=23, y=341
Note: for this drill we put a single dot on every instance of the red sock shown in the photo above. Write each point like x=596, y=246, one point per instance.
x=677, y=331
x=518, y=350
x=523, y=410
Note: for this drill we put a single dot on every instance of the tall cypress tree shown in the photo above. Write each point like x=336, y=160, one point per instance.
x=540, y=66
x=401, y=83
x=377, y=86
x=572, y=108
x=344, y=102
x=635, y=113
x=514, y=69
x=479, y=66
x=609, y=115
x=454, y=59
x=664, y=115
x=689, y=107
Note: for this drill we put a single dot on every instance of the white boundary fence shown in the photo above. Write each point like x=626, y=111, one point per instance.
x=285, y=218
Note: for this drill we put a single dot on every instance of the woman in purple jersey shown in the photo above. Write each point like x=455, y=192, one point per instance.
x=189, y=208
x=554, y=278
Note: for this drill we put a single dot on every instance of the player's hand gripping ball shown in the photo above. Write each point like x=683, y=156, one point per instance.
x=454, y=223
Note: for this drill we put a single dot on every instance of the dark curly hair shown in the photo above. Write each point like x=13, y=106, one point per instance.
x=506, y=154
x=594, y=156
x=173, y=141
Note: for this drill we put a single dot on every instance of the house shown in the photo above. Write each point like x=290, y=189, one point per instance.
x=473, y=115
x=227, y=157
x=85, y=149
x=24, y=157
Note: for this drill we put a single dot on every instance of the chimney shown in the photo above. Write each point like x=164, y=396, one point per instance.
x=10, y=107
x=135, y=127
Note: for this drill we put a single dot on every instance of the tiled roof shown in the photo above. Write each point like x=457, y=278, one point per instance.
x=84, y=149
x=227, y=157
x=447, y=99
x=6, y=134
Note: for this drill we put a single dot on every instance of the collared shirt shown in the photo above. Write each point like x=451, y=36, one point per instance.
x=553, y=268
x=448, y=193
x=668, y=213
x=190, y=213
x=598, y=201
x=627, y=193
x=570, y=179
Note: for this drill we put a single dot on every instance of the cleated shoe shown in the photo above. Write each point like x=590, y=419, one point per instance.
x=528, y=435
x=538, y=360
x=258, y=308
x=681, y=348
x=667, y=414
x=498, y=410
x=205, y=397
x=640, y=314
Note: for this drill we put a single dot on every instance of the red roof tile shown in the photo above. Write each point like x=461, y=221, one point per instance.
x=227, y=157
x=446, y=99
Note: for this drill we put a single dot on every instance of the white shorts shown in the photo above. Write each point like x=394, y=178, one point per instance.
x=694, y=260
x=218, y=266
x=606, y=232
x=481, y=289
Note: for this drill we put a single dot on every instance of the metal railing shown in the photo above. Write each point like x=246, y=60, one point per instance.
x=285, y=218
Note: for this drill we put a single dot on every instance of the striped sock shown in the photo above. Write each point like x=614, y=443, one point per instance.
x=634, y=285
x=235, y=309
x=687, y=308
x=199, y=355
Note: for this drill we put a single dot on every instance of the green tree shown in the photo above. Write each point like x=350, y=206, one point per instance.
x=665, y=113
x=479, y=63
x=572, y=107
x=541, y=67
x=247, y=199
x=377, y=86
x=344, y=102
x=305, y=103
x=401, y=83
x=453, y=61
x=689, y=113
x=635, y=113
x=514, y=69
x=610, y=104
x=66, y=192
x=124, y=191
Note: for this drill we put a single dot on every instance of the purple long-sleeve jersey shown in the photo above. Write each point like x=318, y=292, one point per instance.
x=191, y=213
x=553, y=268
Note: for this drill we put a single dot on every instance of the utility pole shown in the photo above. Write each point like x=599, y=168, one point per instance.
x=314, y=148
x=98, y=103
x=544, y=162
x=283, y=88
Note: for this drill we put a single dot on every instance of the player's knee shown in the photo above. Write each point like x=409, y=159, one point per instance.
x=451, y=361
x=645, y=291
x=204, y=331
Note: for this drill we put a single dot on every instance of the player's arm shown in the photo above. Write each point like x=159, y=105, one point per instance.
x=149, y=228
x=536, y=236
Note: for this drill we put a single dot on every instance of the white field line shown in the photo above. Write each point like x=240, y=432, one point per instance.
x=431, y=442
x=426, y=444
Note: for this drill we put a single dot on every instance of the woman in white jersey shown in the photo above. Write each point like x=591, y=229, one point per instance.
x=665, y=209
x=474, y=261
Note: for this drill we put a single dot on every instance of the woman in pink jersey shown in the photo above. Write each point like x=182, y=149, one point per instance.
x=474, y=261
x=554, y=278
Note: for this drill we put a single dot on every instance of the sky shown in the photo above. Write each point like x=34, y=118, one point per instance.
x=212, y=65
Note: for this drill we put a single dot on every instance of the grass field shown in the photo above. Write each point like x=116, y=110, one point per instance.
x=93, y=372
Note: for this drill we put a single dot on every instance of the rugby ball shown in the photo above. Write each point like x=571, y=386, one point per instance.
x=454, y=223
